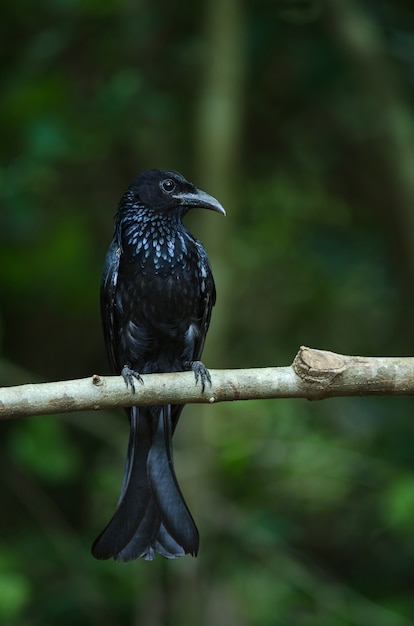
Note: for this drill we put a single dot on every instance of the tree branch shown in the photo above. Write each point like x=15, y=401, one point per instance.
x=314, y=374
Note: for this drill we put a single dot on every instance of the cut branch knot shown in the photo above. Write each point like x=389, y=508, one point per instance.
x=318, y=367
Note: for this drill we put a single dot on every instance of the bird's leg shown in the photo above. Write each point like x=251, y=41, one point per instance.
x=128, y=375
x=200, y=372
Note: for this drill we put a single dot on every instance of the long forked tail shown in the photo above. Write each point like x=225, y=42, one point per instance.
x=151, y=515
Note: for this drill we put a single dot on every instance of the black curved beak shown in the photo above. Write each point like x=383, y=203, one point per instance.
x=200, y=199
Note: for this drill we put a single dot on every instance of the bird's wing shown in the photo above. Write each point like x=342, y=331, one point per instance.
x=208, y=301
x=108, y=294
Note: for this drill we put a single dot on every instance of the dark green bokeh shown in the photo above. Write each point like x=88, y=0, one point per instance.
x=297, y=116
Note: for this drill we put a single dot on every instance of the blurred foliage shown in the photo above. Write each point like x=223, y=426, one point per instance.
x=299, y=115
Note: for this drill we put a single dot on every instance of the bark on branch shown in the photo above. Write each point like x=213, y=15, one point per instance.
x=314, y=374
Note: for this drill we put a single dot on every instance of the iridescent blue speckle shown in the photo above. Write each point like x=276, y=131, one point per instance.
x=152, y=238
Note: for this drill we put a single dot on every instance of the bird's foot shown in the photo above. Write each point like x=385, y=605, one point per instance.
x=129, y=376
x=200, y=372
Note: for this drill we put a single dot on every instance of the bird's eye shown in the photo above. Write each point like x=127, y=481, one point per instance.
x=168, y=185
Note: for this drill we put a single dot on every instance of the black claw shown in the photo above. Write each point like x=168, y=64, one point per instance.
x=129, y=375
x=201, y=373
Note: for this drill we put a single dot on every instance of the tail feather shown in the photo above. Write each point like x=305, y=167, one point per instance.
x=167, y=546
x=135, y=493
x=151, y=515
x=170, y=502
x=141, y=543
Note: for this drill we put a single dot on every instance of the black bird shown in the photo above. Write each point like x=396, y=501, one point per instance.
x=157, y=293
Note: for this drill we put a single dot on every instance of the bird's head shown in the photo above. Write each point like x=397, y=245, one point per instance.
x=168, y=193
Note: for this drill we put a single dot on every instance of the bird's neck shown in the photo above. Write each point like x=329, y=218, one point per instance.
x=151, y=238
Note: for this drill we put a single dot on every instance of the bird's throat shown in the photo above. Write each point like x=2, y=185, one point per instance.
x=157, y=242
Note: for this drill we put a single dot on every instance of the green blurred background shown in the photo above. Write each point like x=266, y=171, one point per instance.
x=299, y=117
